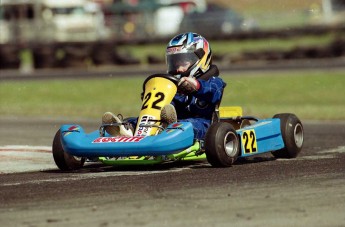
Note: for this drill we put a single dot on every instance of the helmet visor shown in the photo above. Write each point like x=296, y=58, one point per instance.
x=179, y=63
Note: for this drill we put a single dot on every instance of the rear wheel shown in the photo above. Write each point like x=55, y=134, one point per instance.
x=221, y=145
x=62, y=159
x=292, y=132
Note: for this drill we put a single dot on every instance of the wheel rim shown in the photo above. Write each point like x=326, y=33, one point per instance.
x=298, y=135
x=230, y=144
x=79, y=159
x=72, y=157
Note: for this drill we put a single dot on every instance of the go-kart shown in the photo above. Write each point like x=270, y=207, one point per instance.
x=230, y=136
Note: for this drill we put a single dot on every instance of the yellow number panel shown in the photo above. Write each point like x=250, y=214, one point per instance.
x=249, y=144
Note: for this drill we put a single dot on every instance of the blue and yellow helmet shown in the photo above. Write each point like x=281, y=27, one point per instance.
x=192, y=48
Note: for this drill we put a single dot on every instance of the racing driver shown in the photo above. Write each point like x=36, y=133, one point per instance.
x=200, y=89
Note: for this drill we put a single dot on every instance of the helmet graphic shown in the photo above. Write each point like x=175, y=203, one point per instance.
x=189, y=50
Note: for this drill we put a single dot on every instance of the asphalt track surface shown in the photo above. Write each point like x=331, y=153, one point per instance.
x=260, y=191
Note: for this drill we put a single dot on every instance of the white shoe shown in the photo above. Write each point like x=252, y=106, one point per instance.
x=115, y=130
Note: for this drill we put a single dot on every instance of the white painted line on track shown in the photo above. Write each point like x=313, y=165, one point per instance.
x=23, y=148
x=340, y=149
x=323, y=154
x=317, y=157
x=83, y=176
x=14, y=159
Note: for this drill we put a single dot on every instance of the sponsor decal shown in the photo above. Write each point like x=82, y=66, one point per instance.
x=173, y=127
x=73, y=128
x=177, y=125
x=145, y=120
x=173, y=50
x=70, y=130
x=119, y=139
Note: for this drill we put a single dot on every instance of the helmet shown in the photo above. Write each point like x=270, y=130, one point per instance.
x=191, y=48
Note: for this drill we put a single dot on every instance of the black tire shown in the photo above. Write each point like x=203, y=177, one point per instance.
x=44, y=57
x=102, y=54
x=9, y=57
x=62, y=159
x=222, y=145
x=292, y=132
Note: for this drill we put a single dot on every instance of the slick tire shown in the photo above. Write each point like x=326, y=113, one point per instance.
x=292, y=133
x=62, y=159
x=222, y=145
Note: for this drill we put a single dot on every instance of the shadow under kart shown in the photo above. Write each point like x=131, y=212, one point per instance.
x=231, y=135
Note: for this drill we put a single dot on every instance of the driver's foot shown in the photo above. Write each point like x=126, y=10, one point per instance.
x=115, y=130
x=168, y=115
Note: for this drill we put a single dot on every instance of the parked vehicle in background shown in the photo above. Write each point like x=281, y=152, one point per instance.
x=168, y=18
x=333, y=13
x=147, y=18
x=79, y=33
x=216, y=20
x=50, y=29
x=61, y=20
x=64, y=33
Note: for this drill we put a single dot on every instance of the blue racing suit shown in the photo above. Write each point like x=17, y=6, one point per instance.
x=198, y=107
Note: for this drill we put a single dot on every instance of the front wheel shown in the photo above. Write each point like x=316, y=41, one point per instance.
x=221, y=145
x=62, y=159
x=292, y=132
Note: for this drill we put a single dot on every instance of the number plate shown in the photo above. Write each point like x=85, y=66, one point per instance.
x=249, y=144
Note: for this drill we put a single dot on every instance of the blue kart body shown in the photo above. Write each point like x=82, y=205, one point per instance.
x=230, y=135
x=176, y=138
x=268, y=137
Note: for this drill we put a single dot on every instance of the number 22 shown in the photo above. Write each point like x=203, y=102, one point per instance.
x=159, y=97
x=249, y=141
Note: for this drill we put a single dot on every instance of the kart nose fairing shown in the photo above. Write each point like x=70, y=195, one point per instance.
x=177, y=137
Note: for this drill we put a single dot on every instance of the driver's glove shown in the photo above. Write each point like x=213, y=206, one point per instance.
x=188, y=85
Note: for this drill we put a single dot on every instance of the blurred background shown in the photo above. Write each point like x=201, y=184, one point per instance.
x=40, y=34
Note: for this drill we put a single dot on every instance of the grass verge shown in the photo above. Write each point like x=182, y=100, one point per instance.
x=232, y=47
x=312, y=95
